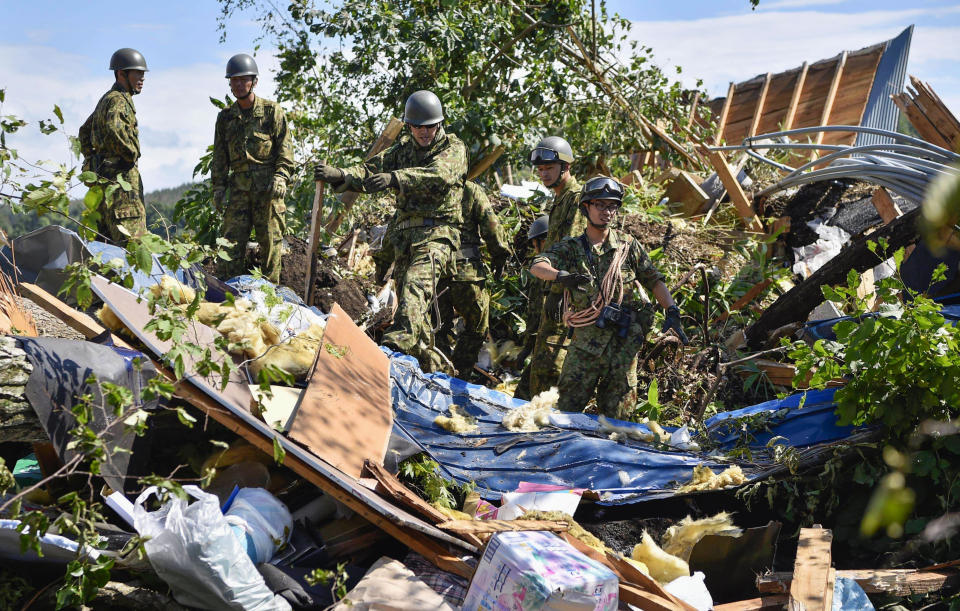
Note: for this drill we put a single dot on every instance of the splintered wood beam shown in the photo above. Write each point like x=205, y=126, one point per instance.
x=348, y=199
x=495, y=526
x=313, y=241
x=886, y=207
x=831, y=96
x=722, y=123
x=732, y=185
x=76, y=320
x=812, y=586
x=693, y=109
x=484, y=164
x=771, y=602
x=758, y=111
x=898, y=582
x=795, y=98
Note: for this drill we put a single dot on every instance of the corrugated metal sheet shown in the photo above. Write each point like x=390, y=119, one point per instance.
x=880, y=111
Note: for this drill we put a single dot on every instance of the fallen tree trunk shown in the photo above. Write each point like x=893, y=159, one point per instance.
x=18, y=421
x=798, y=302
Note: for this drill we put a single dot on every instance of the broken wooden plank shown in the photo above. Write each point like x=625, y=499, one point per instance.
x=811, y=588
x=758, y=111
x=484, y=164
x=73, y=318
x=752, y=293
x=828, y=103
x=898, y=582
x=631, y=574
x=496, y=526
x=886, y=207
x=732, y=185
x=345, y=416
x=722, y=122
x=770, y=602
x=795, y=98
x=313, y=241
x=796, y=304
x=348, y=199
x=393, y=488
x=686, y=191
x=633, y=178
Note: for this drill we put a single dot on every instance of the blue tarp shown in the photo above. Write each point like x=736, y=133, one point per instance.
x=823, y=329
x=577, y=455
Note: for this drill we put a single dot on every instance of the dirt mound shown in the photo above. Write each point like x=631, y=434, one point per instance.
x=332, y=284
x=681, y=243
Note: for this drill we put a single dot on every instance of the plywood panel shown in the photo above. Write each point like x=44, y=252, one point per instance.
x=344, y=415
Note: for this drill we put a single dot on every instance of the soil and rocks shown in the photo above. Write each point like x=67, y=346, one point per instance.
x=334, y=283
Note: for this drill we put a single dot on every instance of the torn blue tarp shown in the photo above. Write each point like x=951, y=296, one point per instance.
x=577, y=454
x=42, y=255
x=823, y=329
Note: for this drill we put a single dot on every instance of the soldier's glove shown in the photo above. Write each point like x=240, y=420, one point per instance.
x=279, y=189
x=672, y=321
x=218, y=199
x=327, y=173
x=572, y=281
x=379, y=182
x=496, y=266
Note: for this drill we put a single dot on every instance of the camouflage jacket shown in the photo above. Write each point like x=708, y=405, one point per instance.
x=571, y=255
x=251, y=147
x=429, y=180
x=479, y=220
x=565, y=219
x=110, y=134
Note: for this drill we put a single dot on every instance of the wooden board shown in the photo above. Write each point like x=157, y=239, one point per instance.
x=773, y=602
x=812, y=585
x=685, y=190
x=313, y=241
x=134, y=314
x=345, y=416
x=899, y=582
x=496, y=526
x=76, y=320
x=737, y=196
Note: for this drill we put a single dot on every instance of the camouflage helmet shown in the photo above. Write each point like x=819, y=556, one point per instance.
x=127, y=59
x=551, y=150
x=423, y=108
x=539, y=227
x=241, y=64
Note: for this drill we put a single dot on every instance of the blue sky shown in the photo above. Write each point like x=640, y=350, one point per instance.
x=58, y=54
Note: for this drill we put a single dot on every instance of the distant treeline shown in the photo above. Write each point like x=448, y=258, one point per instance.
x=159, y=203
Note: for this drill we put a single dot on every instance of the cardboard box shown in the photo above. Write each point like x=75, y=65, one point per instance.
x=538, y=570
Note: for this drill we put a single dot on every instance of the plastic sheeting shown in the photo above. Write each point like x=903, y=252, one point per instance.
x=578, y=454
x=823, y=329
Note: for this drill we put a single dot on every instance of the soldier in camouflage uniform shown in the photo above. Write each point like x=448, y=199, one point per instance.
x=552, y=158
x=602, y=356
x=536, y=289
x=426, y=167
x=110, y=143
x=466, y=291
x=251, y=157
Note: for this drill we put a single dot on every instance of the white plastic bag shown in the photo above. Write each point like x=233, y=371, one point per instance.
x=264, y=517
x=192, y=548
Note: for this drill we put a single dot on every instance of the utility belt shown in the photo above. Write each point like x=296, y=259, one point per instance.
x=242, y=167
x=420, y=221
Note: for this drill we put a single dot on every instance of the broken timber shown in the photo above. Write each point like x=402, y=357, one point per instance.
x=796, y=304
x=495, y=526
x=416, y=534
x=929, y=115
x=732, y=185
x=813, y=579
x=898, y=582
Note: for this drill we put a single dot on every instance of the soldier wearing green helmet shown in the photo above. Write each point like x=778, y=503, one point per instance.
x=426, y=168
x=552, y=158
x=110, y=144
x=252, y=162
x=601, y=272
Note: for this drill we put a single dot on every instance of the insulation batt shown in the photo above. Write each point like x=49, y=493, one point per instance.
x=619, y=433
x=705, y=479
x=534, y=414
x=457, y=421
x=663, y=567
x=681, y=538
x=176, y=291
x=575, y=529
x=295, y=356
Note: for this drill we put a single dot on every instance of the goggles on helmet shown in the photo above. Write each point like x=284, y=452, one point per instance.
x=542, y=155
x=602, y=187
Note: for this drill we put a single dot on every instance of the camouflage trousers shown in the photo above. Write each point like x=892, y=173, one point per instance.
x=548, y=354
x=125, y=210
x=472, y=302
x=248, y=210
x=418, y=269
x=611, y=375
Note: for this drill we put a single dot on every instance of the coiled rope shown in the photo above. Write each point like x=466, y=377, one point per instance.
x=611, y=290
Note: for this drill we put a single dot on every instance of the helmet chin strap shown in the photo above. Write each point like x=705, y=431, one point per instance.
x=563, y=168
x=244, y=97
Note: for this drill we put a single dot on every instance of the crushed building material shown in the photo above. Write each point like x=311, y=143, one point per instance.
x=663, y=567
x=534, y=415
x=929, y=115
x=680, y=539
x=457, y=422
x=704, y=478
x=618, y=433
x=574, y=529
